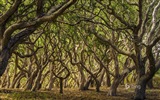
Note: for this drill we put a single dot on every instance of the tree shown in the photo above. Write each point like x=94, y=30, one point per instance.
x=138, y=31
x=95, y=36
x=19, y=22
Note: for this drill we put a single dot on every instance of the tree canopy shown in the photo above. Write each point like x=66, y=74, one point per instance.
x=78, y=43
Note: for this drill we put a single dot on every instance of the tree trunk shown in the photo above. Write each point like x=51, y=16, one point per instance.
x=18, y=83
x=29, y=83
x=82, y=79
x=4, y=79
x=4, y=57
x=113, y=88
x=30, y=80
x=150, y=84
x=87, y=83
x=61, y=85
x=141, y=85
x=8, y=81
x=16, y=78
x=101, y=77
x=98, y=85
x=118, y=80
x=50, y=85
x=37, y=81
x=108, y=80
x=140, y=90
x=143, y=79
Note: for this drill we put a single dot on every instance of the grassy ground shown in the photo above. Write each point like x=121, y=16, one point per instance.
x=74, y=94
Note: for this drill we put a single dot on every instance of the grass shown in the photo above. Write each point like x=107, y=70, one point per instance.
x=75, y=94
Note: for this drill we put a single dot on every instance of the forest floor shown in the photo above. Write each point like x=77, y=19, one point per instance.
x=75, y=94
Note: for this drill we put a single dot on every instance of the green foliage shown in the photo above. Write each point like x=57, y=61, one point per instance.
x=75, y=32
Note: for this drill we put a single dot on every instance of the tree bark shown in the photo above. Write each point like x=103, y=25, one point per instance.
x=113, y=88
x=37, y=81
x=87, y=83
x=30, y=80
x=150, y=84
x=140, y=90
x=98, y=85
x=82, y=78
x=61, y=85
x=4, y=57
x=108, y=80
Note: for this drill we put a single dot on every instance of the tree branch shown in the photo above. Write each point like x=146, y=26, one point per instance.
x=28, y=55
x=146, y=19
x=39, y=7
x=35, y=23
x=10, y=12
x=112, y=45
x=153, y=27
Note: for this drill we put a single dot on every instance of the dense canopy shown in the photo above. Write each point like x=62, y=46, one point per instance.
x=80, y=43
